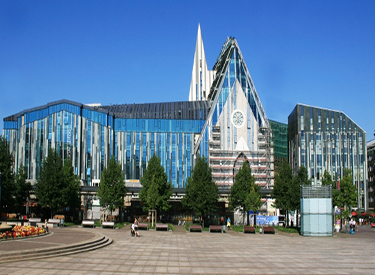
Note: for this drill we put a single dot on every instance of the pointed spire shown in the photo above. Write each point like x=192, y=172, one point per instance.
x=201, y=77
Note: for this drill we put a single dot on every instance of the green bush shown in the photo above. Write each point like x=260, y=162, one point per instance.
x=120, y=225
x=287, y=229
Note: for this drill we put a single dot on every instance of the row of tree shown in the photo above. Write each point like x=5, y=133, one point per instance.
x=287, y=187
x=201, y=192
x=14, y=188
x=58, y=188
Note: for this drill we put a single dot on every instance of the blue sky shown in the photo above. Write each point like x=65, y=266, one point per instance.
x=320, y=53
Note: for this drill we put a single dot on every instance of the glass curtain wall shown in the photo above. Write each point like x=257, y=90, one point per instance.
x=325, y=140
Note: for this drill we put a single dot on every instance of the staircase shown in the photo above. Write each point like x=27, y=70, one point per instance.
x=64, y=250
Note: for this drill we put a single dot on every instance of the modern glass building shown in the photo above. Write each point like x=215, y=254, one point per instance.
x=90, y=135
x=326, y=140
x=279, y=142
x=371, y=173
x=223, y=121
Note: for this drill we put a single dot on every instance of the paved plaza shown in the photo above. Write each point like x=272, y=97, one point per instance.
x=181, y=252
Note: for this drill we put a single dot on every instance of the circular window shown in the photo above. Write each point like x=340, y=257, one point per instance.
x=238, y=118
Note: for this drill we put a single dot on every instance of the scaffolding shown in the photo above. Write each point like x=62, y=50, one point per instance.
x=226, y=164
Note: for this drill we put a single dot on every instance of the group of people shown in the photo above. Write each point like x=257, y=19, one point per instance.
x=134, y=228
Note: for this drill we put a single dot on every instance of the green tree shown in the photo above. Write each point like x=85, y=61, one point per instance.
x=244, y=193
x=280, y=192
x=6, y=177
x=49, y=186
x=112, y=189
x=71, y=186
x=201, y=193
x=348, y=194
x=295, y=189
x=22, y=189
x=156, y=190
x=327, y=180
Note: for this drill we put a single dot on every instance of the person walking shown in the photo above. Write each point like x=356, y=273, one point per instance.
x=228, y=223
x=135, y=227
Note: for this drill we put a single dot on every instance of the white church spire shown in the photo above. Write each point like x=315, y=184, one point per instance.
x=201, y=77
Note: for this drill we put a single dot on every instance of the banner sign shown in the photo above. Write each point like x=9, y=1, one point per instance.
x=267, y=220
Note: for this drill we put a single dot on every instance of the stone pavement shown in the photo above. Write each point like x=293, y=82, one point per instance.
x=181, y=252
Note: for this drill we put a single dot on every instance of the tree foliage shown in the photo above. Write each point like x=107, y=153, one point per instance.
x=112, y=189
x=156, y=190
x=327, y=180
x=201, y=193
x=71, y=186
x=7, y=176
x=287, y=189
x=299, y=180
x=22, y=189
x=244, y=193
x=348, y=193
x=57, y=186
x=283, y=179
x=49, y=185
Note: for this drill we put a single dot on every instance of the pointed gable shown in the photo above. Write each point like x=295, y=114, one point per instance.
x=230, y=66
x=231, y=90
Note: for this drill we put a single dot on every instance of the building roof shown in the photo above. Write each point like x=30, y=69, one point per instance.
x=371, y=144
x=306, y=105
x=168, y=110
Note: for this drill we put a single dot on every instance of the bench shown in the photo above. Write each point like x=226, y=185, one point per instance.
x=88, y=223
x=162, y=226
x=54, y=222
x=249, y=229
x=216, y=228
x=34, y=221
x=269, y=230
x=195, y=227
x=108, y=224
x=143, y=226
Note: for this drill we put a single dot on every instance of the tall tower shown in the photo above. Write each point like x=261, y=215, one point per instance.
x=201, y=77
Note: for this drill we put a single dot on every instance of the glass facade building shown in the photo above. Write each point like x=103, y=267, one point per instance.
x=326, y=140
x=90, y=135
x=279, y=142
x=225, y=123
x=371, y=173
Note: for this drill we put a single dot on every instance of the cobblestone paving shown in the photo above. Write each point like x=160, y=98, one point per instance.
x=213, y=253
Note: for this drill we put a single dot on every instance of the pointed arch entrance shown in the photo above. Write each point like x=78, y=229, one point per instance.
x=238, y=163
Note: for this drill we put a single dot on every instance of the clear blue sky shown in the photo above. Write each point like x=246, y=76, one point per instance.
x=320, y=53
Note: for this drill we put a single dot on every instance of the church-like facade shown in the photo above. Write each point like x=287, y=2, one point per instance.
x=223, y=120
